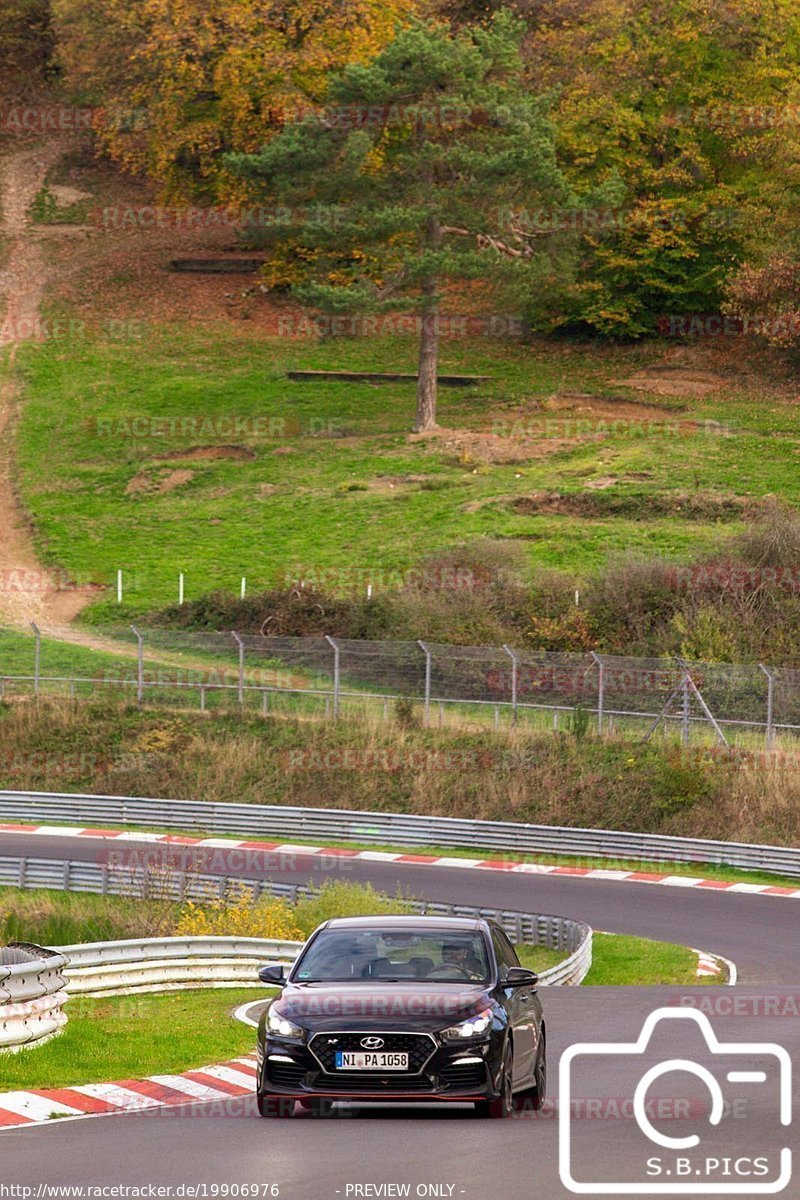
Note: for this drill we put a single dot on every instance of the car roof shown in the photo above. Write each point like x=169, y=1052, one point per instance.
x=405, y=922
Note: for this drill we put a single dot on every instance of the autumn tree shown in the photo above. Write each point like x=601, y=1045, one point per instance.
x=26, y=44
x=695, y=106
x=177, y=83
x=420, y=152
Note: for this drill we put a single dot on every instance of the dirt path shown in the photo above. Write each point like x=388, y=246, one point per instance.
x=27, y=590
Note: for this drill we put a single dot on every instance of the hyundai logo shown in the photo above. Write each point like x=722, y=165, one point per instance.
x=372, y=1043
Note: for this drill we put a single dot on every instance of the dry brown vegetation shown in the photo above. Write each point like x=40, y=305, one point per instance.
x=399, y=766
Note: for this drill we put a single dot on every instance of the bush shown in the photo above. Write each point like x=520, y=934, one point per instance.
x=631, y=603
x=470, y=594
x=236, y=915
x=339, y=899
x=772, y=536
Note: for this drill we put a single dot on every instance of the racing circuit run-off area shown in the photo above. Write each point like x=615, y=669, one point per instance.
x=399, y=599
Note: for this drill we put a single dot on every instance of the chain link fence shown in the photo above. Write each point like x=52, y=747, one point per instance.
x=751, y=706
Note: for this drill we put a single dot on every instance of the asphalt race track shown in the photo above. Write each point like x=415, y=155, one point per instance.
x=446, y=1152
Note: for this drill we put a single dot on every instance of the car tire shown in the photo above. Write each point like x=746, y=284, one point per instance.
x=533, y=1098
x=274, y=1106
x=502, y=1106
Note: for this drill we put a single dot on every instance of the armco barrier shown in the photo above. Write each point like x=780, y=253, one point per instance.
x=401, y=829
x=574, y=938
x=32, y=995
x=157, y=964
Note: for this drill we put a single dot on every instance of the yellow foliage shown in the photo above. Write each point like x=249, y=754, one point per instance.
x=209, y=76
x=237, y=915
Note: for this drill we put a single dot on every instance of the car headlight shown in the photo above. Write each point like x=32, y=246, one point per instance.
x=475, y=1027
x=282, y=1026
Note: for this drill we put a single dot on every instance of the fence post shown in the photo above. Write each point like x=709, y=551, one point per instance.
x=427, y=654
x=601, y=689
x=240, y=644
x=140, y=665
x=514, y=679
x=336, y=673
x=770, y=701
x=37, y=660
x=685, y=714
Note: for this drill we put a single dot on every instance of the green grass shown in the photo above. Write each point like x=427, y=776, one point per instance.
x=219, y=525
x=128, y=1037
x=17, y=656
x=49, y=918
x=631, y=962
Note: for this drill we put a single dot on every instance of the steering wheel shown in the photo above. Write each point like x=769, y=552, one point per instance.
x=446, y=970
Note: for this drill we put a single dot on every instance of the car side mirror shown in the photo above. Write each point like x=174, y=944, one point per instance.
x=520, y=977
x=273, y=974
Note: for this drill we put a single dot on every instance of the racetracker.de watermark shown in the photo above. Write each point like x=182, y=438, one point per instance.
x=208, y=425
x=452, y=325
x=357, y=579
x=69, y=329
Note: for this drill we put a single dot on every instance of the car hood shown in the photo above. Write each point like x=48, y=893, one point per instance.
x=322, y=1006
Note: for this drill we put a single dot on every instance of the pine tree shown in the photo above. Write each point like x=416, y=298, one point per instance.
x=419, y=154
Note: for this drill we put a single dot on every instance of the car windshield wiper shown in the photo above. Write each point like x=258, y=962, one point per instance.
x=359, y=979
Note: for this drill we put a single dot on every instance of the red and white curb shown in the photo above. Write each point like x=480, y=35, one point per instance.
x=712, y=966
x=213, y=1084
x=475, y=864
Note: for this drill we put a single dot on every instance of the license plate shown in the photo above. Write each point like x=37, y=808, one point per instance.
x=365, y=1060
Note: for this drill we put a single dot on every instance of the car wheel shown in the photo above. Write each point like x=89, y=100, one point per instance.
x=274, y=1106
x=533, y=1098
x=501, y=1107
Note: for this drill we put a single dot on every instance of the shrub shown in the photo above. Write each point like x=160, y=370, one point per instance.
x=237, y=915
x=337, y=898
x=630, y=602
x=772, y=535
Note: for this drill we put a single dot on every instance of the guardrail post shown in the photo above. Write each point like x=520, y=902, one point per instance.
x=427, y=654
x=139, y=665
x=240, y=644
x=770, y=702
x=514, y=679
x=601, y=689
x=37, y=658
x=336, y=673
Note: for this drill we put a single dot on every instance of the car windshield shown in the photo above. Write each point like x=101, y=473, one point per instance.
x=441, y=956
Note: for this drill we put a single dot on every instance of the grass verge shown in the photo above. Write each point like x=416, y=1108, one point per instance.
x=128, y=1037
x=622, y=961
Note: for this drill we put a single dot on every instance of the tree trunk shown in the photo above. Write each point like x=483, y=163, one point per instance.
x=428, y=367
x=429, y=341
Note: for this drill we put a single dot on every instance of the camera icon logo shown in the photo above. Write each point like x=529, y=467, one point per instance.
x=704, y=1154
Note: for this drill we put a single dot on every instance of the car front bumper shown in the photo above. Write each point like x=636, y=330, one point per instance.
x=462, y=1073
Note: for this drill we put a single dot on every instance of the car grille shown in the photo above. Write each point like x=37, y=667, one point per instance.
x=463, y=1077
x=418, y=1046
x=366, y=1082
x=285, y=1074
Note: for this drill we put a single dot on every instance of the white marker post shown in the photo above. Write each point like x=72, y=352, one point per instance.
x=119, y=587
x=244, y=587
x=180, y=588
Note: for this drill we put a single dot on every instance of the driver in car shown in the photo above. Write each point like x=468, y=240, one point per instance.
x=463, y=957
